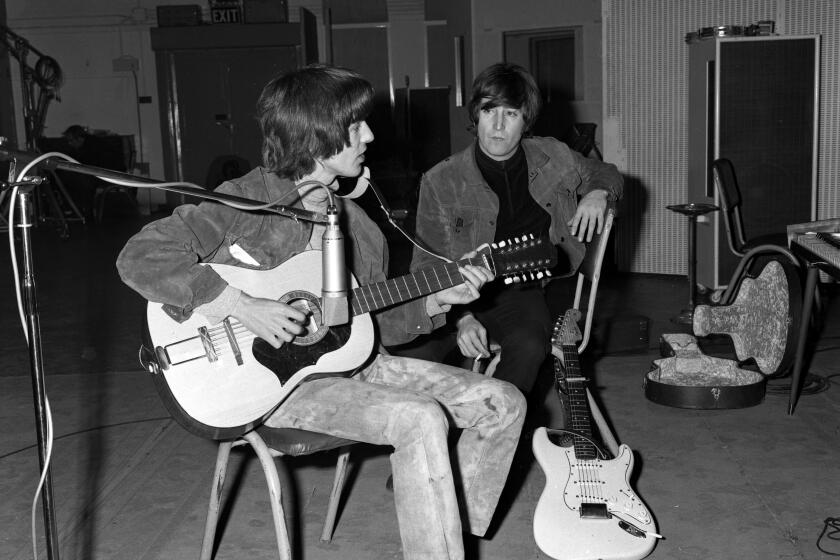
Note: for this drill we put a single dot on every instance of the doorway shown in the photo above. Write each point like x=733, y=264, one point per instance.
x=554, y=58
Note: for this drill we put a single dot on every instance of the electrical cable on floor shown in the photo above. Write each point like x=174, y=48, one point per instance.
x=86, y=430
x=811, y=385
x=833, y=534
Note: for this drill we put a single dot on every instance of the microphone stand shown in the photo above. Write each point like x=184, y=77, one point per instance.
x=30, y=304
x=33, y=330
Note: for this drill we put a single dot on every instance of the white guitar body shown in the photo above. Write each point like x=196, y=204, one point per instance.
x=223, y=393
x=559, y=528
x=220, y=380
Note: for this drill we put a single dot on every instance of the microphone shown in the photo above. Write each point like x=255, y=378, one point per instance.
x=334, y=305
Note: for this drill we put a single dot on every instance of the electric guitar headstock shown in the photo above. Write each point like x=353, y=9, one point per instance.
x=566, y=332
x=521, y=259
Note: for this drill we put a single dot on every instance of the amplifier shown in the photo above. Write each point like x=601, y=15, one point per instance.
x=179, y=15
x=265, y=11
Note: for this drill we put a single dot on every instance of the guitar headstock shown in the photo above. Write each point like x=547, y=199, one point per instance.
x=523, y=259
x=566, y=331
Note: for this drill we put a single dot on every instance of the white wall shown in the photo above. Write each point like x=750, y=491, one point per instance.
x=84, y=37
x=646, y=111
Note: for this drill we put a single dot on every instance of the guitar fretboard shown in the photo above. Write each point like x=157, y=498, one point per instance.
x=581, y=418
x=440, y=276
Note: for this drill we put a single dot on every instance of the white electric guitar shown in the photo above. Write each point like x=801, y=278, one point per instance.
x=587, y=511
x=220, y=380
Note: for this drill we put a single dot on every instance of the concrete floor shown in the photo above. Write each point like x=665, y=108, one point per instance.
x=129, y=483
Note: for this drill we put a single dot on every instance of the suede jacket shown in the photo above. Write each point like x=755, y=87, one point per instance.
x=457, y=210
x=164, y=261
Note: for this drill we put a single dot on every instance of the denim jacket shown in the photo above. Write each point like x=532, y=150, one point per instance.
x=457, y=210
x=162, y=261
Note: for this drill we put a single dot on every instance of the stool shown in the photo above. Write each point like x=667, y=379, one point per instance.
x=692, y=210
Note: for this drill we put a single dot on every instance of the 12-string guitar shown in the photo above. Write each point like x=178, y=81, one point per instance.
x=587, y=510
x=220, y=380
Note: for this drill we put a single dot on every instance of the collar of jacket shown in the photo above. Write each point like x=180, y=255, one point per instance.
x=277, y=187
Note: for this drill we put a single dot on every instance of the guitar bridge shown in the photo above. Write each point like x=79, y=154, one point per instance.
x=594, y=511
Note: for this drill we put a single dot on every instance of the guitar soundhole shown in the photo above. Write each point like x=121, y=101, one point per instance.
x=311, y=305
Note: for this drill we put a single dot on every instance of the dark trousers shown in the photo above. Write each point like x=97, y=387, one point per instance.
x=517, y=318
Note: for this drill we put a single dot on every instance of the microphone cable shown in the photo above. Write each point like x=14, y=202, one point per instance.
x=48, y=444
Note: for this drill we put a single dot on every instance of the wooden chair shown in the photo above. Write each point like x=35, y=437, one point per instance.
x=269, y=443
x=588, y=278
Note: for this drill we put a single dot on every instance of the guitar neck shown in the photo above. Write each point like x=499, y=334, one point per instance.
x=580, y=415
x=440, y=276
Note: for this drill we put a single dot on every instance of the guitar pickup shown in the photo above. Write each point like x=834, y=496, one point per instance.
x=594, y=511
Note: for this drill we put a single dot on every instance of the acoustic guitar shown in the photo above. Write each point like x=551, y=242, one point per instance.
x=587, y=510
x=220, y=380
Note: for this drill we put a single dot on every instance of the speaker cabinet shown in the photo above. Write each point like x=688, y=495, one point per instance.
x=754, y=101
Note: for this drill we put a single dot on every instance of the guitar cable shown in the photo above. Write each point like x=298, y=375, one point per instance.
x=834, y=534
x=387, y=211
x=633, y=526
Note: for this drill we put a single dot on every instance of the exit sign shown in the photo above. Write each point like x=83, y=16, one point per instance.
x=226, y=12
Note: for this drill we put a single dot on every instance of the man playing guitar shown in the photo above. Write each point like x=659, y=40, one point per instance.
x=314, y=130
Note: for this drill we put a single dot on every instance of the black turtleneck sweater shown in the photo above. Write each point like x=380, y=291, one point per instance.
x=519, y=213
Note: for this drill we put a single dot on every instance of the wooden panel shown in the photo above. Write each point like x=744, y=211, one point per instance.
x=209, y=81
x=440, y=56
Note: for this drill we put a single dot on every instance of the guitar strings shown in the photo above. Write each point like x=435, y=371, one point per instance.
x=591, y=486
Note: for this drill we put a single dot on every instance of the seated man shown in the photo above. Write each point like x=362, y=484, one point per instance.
x=314, y=131
x=97, y=150
x=503, y=186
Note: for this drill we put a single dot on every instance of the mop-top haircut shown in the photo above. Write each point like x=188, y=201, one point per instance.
x=305, y=115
